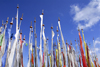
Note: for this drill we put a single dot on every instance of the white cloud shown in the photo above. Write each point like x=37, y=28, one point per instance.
x=96, y=49
x=97, y=41
x=87, y=16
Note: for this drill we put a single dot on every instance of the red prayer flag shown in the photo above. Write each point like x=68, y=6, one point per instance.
x=43, y=60
x=82, y=52
x=80, y=60
x=22, y=60
x=0, y=48
x=21, y=40
x=95, y=63
x=32, y=59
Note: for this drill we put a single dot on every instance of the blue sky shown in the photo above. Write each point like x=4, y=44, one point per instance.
x=73, y=14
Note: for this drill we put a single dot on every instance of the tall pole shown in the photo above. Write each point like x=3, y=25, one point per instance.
x=94, y=50
x=17, y=19
x=52, y=47
x=18, y=48
x=47, y=53
x=35, y=38
x=76, y=50
x=3, y=43
x=28, y=65
x=9, y=46
x=58, y=46
x=41, y=16
x=63, y=42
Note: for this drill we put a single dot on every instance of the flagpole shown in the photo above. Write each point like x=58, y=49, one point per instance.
x=68, y=54
x=44, y=39
x=3, y=44
x=20, y=22
x=76, y=53
x=82, y=52
x=47, y=53
x=35, y=38
x=17, y=18
x=52, y=47
x=17, y=46
x=41, y=16
x=64, y=47
x=15, y=41
x=58, y=47
x=85, y=46
x=30, y=44
x=9, y=46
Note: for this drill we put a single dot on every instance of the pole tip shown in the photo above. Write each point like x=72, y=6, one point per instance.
x=7, y=19
x=21, y=17
x=20, y=31
x=17, y=5
x=57, y=29
x=42, y=12
x=47, y=38
x=32, y=30
x=70, y=42
x=2, y=22
x=66, y=41
x=82, y=29
x=35, y=19
x=31, y=25
x=51, y=27
x=58, y=19
x=43, y=25
x=24, y=37
x=11, y=23
x=75, y=40
x=78, y=29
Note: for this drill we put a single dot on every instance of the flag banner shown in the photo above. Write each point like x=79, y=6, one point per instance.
x=1, y=39
x=63, y=43
x=57, y=62
x=32, y=59
x=95, y=63
x=30, y=48
x=59, y=48
x=43, y=61
x=64, y=65
x=45, y=48
x=53, y=34
x=85, y=47
x=82, y=52
x=80, y=60
x=26, y=44
x=52, y=57
x=50, y=61
x=40, y=53
x=88, y=56
x=4, y=56
x=10, y=59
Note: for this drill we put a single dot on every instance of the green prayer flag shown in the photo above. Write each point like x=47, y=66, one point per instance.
x=1, y=39
x=26, y=44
